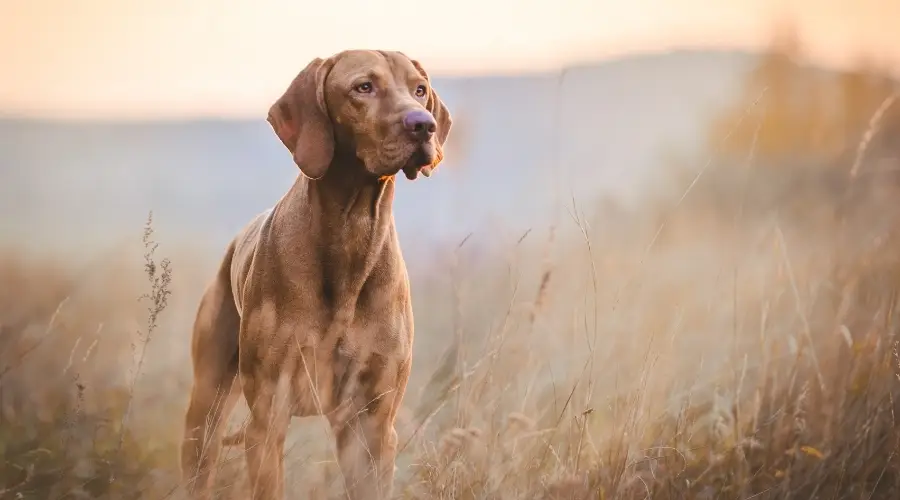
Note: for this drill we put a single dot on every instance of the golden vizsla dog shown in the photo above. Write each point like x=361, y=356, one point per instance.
x=311, y=304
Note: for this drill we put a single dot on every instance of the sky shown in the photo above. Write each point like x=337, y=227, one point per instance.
x=138, y=59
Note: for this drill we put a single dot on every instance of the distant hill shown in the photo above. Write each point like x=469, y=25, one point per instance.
x=520, y=142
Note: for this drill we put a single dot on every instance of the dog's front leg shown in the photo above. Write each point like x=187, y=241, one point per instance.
x=366, y=449
x=265, y=434
x=366, y=439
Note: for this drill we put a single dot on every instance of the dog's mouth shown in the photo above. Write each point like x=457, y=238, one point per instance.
x=421, y=160
x=411, y=160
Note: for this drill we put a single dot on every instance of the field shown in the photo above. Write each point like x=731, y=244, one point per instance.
x=734, y=337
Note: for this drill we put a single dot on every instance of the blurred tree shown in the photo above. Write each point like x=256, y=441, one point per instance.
x=788, y=110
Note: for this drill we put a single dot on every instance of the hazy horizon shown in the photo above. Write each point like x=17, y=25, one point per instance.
x=173, y=60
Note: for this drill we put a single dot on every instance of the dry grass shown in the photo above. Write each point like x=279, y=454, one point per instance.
x=740, y=342
x=734, y=360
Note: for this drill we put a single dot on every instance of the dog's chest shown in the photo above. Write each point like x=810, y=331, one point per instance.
x=351, y=358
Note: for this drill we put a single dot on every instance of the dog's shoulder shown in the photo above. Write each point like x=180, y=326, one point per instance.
x=248, y=237
x=245, y=244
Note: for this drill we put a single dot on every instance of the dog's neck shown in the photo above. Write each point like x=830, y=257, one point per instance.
x=346, y=191
x=343, y=223
x=347, y=202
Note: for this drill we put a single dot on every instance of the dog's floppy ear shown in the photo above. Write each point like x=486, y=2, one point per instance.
x=300, y=119
x=440, y=112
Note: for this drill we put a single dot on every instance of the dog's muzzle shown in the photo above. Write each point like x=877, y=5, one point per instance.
x=420, y=127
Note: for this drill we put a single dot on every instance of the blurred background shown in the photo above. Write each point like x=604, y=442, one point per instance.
x=658, y=258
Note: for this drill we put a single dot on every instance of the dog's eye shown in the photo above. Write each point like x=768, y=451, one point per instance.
x=363, y=88
x=421, y=91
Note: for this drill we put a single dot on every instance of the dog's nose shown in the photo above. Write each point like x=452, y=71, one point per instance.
x=420, y=124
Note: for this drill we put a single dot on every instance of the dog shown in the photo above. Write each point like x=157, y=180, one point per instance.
x=310, y=311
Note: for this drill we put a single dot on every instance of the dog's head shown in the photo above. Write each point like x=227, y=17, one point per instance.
x=377, y=106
